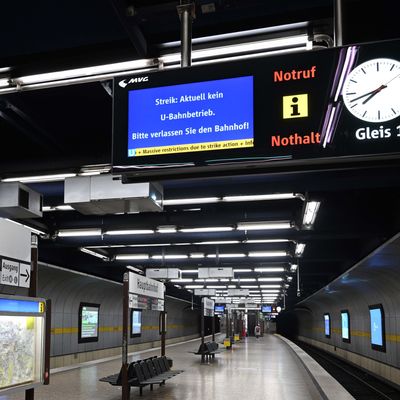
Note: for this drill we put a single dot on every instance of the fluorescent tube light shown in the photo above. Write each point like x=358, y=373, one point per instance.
x=227, y=255
x=166, y=229
x=63, y=207
x=40, y=178
x=194, y=286
x=240, y=270
x=207, y=229
x=270, y=286
x=310, y=213
x=299, y=249
x=218, y=242
x=183, y=280
x=270, y=269
x=266, y=241
x=270, y=279
x=289, y=278
x=211, y=280
x=169, y=256
x=129, y=232
x=244, y=280
x=293, y=267
x=149, y=245
x=248, y=286
x=260, y=197
x=199, y=200
x=94, y=253
x=270, y=290
x=197, y=255
x=215, y=287
x=78, y=232
x=199, y=280
x=120, y=257
x=263, y=225
x=231, y=286
x=268, y=254
x=189, y=271
x=4, y=82
x=84, y=72
x=224, y=280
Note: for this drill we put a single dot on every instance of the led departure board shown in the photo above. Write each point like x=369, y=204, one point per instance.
x=325, y=105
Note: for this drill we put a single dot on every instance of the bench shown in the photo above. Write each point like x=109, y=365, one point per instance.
x=209, y=349
x=148, y=372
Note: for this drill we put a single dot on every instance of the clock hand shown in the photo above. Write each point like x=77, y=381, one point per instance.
x=372, y=95
x=372, y=92
x=392, y=79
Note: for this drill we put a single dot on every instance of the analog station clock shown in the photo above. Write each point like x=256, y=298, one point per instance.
x=371, y=92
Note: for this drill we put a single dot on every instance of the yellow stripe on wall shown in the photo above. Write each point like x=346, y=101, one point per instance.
x=64, y=331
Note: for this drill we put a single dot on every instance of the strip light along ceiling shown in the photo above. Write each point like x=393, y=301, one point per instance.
x=310, y=214
x=263, y=225
x=94, y=254
x=40, y=178
x=78, y=232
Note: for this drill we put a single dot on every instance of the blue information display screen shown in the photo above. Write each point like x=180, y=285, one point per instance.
x=20, y=306
x=327, y=322
x=191, y=117
x=266, y=309
x=345, y=326
x=376, y=326
x=219, y=309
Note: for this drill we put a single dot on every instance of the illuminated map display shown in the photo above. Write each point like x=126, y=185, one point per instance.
x=18, y=343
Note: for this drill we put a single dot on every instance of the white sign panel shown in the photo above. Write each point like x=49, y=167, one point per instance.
x=163, y=273
x=9, y=273
x=145, y=286
x=24, y=275
x=204, y=292
x=215, y=273
x=15, y=241
x=238, y=292
x=222, y=300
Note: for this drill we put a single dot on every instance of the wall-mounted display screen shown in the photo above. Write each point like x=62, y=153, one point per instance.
x=219, y=309
x=201, y=116
x=266, y=309
x=136, y=323
x=377, y=320
x=88, y=322
x=327, y=325
x=266, y=111
x=345, y=326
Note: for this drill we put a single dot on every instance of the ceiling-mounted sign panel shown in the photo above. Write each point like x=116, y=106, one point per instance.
x=324, y=105
x=140, y=285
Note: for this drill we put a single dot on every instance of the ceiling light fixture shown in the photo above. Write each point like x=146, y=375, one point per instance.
x=197, y=255
x=299, y=249
x=167, y=229
x=260, y=197
x=263, y=225
x=293, y=267
x=199, y=200
x=244, y=280
x=270, y=269
x=218, y=242
x=194, y=286
x=268, y=254
x=169, y=256
x=227, y=255
x=182, y=280
x=121, y=257
x=270, y=286
x=79, y=232
x=94, y=254
x=207, y=229
x=189, y=271
x=39, y=178
x=242, y=270
x=62, y=207
x=275, y=279
x=310, y=214
x=266, y=241
x=129, y=232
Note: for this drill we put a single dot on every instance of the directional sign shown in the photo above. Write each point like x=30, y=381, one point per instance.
x=9, y=273
x=24, y=275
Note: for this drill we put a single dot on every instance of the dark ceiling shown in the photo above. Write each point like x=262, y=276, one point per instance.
x=65, y=128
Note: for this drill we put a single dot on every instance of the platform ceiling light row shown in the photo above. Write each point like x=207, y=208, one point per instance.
x=240, y=226
x=108, y=71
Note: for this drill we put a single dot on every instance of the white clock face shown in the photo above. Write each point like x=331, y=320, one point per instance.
x=371, y=92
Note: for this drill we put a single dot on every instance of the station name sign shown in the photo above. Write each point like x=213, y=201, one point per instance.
x=325, y=104
x=145, y=293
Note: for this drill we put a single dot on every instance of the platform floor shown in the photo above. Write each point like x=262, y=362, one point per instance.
x=255, y=369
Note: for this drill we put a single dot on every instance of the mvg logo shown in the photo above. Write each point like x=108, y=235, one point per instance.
x=125, y=82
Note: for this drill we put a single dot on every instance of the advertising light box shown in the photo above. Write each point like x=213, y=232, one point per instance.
x=88, y=322
x=327, y=325
x=325, y=105
x=22, y=342
x=345, y=326
x=377, y=321
x=136, y=323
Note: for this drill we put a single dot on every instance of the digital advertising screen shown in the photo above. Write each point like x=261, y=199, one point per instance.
x=330, y=105
x=88, y=322
x=377, y=327
x=327, y=325
x=266, y=309
x=136, y=323
x=345, y=326
x=219, y=309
